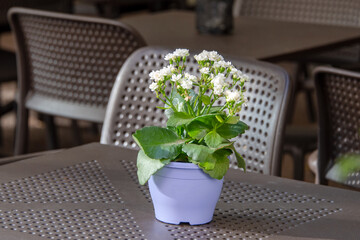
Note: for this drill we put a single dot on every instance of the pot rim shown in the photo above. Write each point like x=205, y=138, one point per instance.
x=182, y=165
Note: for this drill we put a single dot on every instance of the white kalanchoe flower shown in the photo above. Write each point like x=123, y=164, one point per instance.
x=169, y=57
x=214, y=56
x=236, y=73
x=218, y=90
x=202, y=56
x=175, y=77
x=219, y=83
x=244, y=78
x=192, y=78
x=153, y=86
x=223, y=64
x=155, y=75
x=166, y=71
x=232, y=96
x=186, y=83
x=246, y=100
x=205, y=70
x=181, y=52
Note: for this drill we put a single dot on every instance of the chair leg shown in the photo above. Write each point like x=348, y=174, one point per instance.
x=76, y=132
x=21, y=131
x=302, y=75
x=310, y=105
x=297, y=155
x=51, y=133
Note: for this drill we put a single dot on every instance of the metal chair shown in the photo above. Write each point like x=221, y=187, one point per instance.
x=132, y=106
x=7, y=58
x=67, y=65
x=338, y=99
x=328, y=12
x=301, y=140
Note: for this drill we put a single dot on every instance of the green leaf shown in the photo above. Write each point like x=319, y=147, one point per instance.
x=178, y=102
x=344, y=166
x=147, y=166
x=215, y=109
x=197, y=130
x=200, y=126
x=163, y=108
x=240, y=160
x=200, y=155
x=221, y=164
x=219, y=118
x=213, y=139
x=159, y=143
x=232, y=119
x=178, y=119
x=205, y=99
x=232, y=130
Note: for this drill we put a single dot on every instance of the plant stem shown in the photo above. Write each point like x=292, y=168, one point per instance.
x=200, y=101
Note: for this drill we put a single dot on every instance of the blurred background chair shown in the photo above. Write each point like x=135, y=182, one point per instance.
x=328, y=12
x=301, y=140
x=7, y=58
x=338, y=99
x=132, y=106
x=67, y=65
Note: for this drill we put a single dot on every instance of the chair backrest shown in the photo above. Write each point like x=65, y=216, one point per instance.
x=132, y=106
x=333, y=12
x=339, y=115
x=67, y=63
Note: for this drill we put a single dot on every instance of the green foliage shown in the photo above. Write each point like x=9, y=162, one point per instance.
x=148, y=166
x=159, y=143
x=344, y=165
x=197, y=131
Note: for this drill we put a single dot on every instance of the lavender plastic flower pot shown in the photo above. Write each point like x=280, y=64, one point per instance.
x=183, y=193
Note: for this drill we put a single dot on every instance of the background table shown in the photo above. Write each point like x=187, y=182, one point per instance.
x=91, y=192
x=253, y=37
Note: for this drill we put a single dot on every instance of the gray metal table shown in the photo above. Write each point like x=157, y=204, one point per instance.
x=253, y=37
x=91, y=192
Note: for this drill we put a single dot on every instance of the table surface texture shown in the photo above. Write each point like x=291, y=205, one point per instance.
x=92, y=192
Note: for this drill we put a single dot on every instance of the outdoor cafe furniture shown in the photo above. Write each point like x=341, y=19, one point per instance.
x=67, y=65
x=337, y=92
x=258, y=38
x=91, y=192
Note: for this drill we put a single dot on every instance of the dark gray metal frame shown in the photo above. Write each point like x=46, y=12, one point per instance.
x=132, y=106
x=337, y=93
x=40, y=73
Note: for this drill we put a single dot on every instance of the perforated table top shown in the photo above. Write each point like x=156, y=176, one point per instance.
x=91, y=192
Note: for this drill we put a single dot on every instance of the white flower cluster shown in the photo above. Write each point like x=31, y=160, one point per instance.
x=219, y=77
x=206, y=55
x=217, y=71
x=158, y=76
x=178, y=53
x=186, y=81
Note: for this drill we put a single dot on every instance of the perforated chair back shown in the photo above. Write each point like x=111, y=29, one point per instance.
x=132, y=106
x=333, y=12
x=339, y=117
x=67, y=64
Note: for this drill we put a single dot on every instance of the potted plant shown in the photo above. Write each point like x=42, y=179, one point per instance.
x=185, y=162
